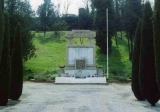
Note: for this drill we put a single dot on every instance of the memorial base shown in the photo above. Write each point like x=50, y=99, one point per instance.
x=87, y=80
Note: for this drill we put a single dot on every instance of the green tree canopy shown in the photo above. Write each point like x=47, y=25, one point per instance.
x=45, y=12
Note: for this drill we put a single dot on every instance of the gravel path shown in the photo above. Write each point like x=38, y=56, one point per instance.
x=46, y=97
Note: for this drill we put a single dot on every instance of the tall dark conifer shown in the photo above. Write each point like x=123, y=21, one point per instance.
x=135, y=63
x=1, y=27
x=17, y=66
x=100, y=23
x=156, y=25
x=5, y=64
x=148, y=84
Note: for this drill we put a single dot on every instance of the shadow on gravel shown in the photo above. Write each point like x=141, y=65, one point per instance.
x=152, y=108
x=10, y=104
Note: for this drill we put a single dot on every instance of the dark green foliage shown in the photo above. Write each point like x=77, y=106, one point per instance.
x=59, y=25
x=5, y=65
x=100, y=22
x=148, y=84
x=132, y=12
x=20, y=11
x=135, y=63
x=17, y=66
x=28, y=48
x=85, y=21
x=1, y=28
x=156, y=25
x=71, y=20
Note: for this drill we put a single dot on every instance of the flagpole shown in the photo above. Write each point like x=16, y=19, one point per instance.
x=107, y=40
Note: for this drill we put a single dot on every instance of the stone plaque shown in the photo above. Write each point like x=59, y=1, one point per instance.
x=80, y=64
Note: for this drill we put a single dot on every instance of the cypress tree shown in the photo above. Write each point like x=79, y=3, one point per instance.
x=148, y=84
x=17, y=66
x=5, y=65
x=135, y=64
x=100, y=23
x=1, y=27
x=156, y=25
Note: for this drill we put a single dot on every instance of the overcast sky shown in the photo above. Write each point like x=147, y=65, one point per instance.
x=73, y=9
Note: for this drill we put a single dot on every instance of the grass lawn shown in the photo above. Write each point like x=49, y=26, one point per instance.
x=50, y=53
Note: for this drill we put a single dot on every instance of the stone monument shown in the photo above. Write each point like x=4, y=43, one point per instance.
x=80, y=63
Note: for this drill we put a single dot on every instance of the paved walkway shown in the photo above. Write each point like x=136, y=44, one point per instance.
x=46, y=97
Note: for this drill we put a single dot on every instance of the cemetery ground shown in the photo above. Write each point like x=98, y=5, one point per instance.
x=51, y=52
x=48, y=97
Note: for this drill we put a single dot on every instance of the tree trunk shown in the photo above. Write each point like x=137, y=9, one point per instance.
x=121, y=34
x=45, y=29
x=129, y=49
x=116, y=40
x=131, y=46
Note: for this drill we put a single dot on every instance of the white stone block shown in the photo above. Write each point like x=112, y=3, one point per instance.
x=87, y=80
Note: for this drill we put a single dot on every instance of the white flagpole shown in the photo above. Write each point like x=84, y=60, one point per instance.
x=107, y=40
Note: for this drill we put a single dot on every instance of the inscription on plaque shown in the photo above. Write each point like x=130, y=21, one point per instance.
x=80, y=64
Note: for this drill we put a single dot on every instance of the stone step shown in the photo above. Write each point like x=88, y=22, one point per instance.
x=87, y=80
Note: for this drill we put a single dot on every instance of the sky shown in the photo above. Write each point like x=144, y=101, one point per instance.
x=73, y=9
